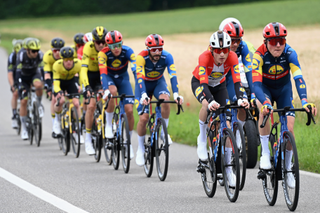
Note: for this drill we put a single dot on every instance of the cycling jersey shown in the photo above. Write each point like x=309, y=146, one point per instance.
x=61, y=73
x=89, y=62
x=80, y=52
x=274, y=73
x=28, y=66
x=75, y=55
x=48, y=60
x=209, y=74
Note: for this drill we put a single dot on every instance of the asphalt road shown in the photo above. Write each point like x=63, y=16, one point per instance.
x=42, y=179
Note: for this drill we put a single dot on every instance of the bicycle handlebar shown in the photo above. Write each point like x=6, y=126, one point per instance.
x=161, y=101
x=68, y=96
x=122, y=96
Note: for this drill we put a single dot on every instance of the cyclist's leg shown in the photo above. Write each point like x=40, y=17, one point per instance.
x=24, y=88
x=109, y=112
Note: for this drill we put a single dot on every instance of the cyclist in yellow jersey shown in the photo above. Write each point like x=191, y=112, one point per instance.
x=90, y=78
x=49, y=58
x=64, y=78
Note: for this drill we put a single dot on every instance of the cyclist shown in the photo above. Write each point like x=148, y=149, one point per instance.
x=90, y=78
x=244, y=53
x=151, y=64
x=87, y=37
x=271, y=67
x=113, y=65
x=17, y=45
x=65, y=80
x=209, y=87
x=49, y=58
x=78, y=45
x=29, y=65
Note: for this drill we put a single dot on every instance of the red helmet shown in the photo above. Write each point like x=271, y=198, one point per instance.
x=113, y=36
x=233, y=29
x=154, y=40
x=274, y=29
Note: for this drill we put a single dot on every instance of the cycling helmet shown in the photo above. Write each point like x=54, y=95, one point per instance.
x=154, y=40
x=113, y=36
x=78, y=38
x=66, y=52
x=219, y=36
x=24, y=42
x=17, y=44
x=274, y=29
x=99, y=33
x=57, y=43
x=228, y=20
x=87, y=37
x=233, y=29
x=33, y=44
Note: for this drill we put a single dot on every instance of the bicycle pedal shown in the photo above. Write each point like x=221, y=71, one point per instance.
x=261, y=175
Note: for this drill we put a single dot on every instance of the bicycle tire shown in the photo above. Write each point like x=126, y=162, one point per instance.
x=29, y=129
x=18, y=122
x=96, y=133
x=107, y=144
x=75, y=142
x=115, y=141
x=251, y=141
x=291, y=194
x=148, y=157
x=270, y=181
x=65, y=135
x=232, y=192
x=242, y=153
x=36, y=124
x=125, y=144
x=161, y=149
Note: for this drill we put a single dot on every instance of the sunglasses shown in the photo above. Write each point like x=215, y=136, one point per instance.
x=236, y=40
x=34, y=51
x=155, y=49
x=68, y=59
x=221, y=50
x=275, y=41
x=115, y=45
x=100, y=42
x=55, y=50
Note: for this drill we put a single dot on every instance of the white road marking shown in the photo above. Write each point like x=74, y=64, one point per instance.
x=36, y=191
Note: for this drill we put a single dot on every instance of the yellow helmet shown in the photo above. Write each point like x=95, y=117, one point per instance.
x=33, y=44
x=17, y=44
x=24, y=42
x=99, y=33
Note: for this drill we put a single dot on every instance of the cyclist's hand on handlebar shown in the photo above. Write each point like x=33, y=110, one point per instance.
x=145, y=100
x=244, y=103
x=88, y=91
x=213, y=105
x=59, y=94
x=106, y=94
x=313, y=106
x=265, y=109
x=176, y=96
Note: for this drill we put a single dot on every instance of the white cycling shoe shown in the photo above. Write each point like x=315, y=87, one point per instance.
x=265, y=161
x=89, y=148
x=56, y=128
x=108, y=132
x=291, y=182
x=14, y=123
x=202, y=150
x=76, y=138
x=140, y=157
x=238, y=139
x=169, y=139
x=24, y=134
x=41, y=110
x=231, y=179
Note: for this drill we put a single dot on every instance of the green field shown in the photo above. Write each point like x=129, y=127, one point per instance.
x=184, y=128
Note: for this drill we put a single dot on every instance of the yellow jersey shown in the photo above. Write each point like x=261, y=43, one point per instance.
x=48, y=61
x=89, y=62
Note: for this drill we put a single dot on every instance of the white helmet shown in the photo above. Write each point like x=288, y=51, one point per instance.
x=220, y=36
x=228, y=20
x=87, y=37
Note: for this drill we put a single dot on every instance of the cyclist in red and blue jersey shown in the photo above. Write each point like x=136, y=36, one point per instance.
x=17, y=45
x=271, y=66
x=151, y=64
x=113, y=64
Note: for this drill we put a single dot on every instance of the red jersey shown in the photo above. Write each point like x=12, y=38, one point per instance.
x=80, y=52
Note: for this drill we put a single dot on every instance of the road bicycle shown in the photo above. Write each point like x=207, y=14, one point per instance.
x=121, y=140
x=157, y=143
x=280, y=141
x=70, y=126
x=222, y=142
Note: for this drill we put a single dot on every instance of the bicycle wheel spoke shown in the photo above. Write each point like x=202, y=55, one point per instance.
x=162, y=149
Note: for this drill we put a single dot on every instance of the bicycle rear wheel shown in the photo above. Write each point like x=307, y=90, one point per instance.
x=75, y=136
x=162, y=149
x=230, y=165
x=148, y=157
x=251, y=140
x=125, y=143
x=29, y=128
x=18, y=122
x=290, y=190
x=36, y=123
x=241, y=144
x=115, y=142
x=64, y=139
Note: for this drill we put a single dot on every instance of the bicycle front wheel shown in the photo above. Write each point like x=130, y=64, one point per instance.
x=251, y=141
x=75, y=137
x=115, y=142
x=125, y=144
x=64, y=139
x=291, y=182
x=162, y=149
x=230, y=165
x=241, y=144
x=148, y=157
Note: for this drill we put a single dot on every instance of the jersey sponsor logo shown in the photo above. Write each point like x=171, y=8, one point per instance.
x=255, y=64
x=132, y=57
x=93, y=59
x=116, y=63
x=139, y=69
x=242, y=89
x=236, y=68
x=101, y=60
x=302, y=86
x=198, y=91
x=216, y=74
x=136, y=102
x=248, y=58
x=153, y=74
x=202, y=70
x=172, y=67
x=140, y=81
x=202, y=78
x=275, y=69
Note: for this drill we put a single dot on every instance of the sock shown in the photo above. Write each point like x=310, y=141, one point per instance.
x=265, y=144
x=14, y=112
x=166, y=120
x=130, y=133
x=227, y=158
x=242, y=123
x=202, y=135
x=39, y=98
x=88, y=136
x=23, y=122
x=210, y=148
x=109, y=116
x=141, y=142
x=288, y=159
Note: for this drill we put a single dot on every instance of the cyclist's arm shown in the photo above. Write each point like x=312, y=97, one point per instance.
x=257, y=63
x=234, y=69
x=132, y=58
x=172, y=73
x=103, y=68
x=56, y=77
x=140, y=62
x=246, y=57
x=11, y=68
x=204, y=61
x=85, y=64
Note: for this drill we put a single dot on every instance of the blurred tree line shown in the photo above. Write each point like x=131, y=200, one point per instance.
x=40, y=8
